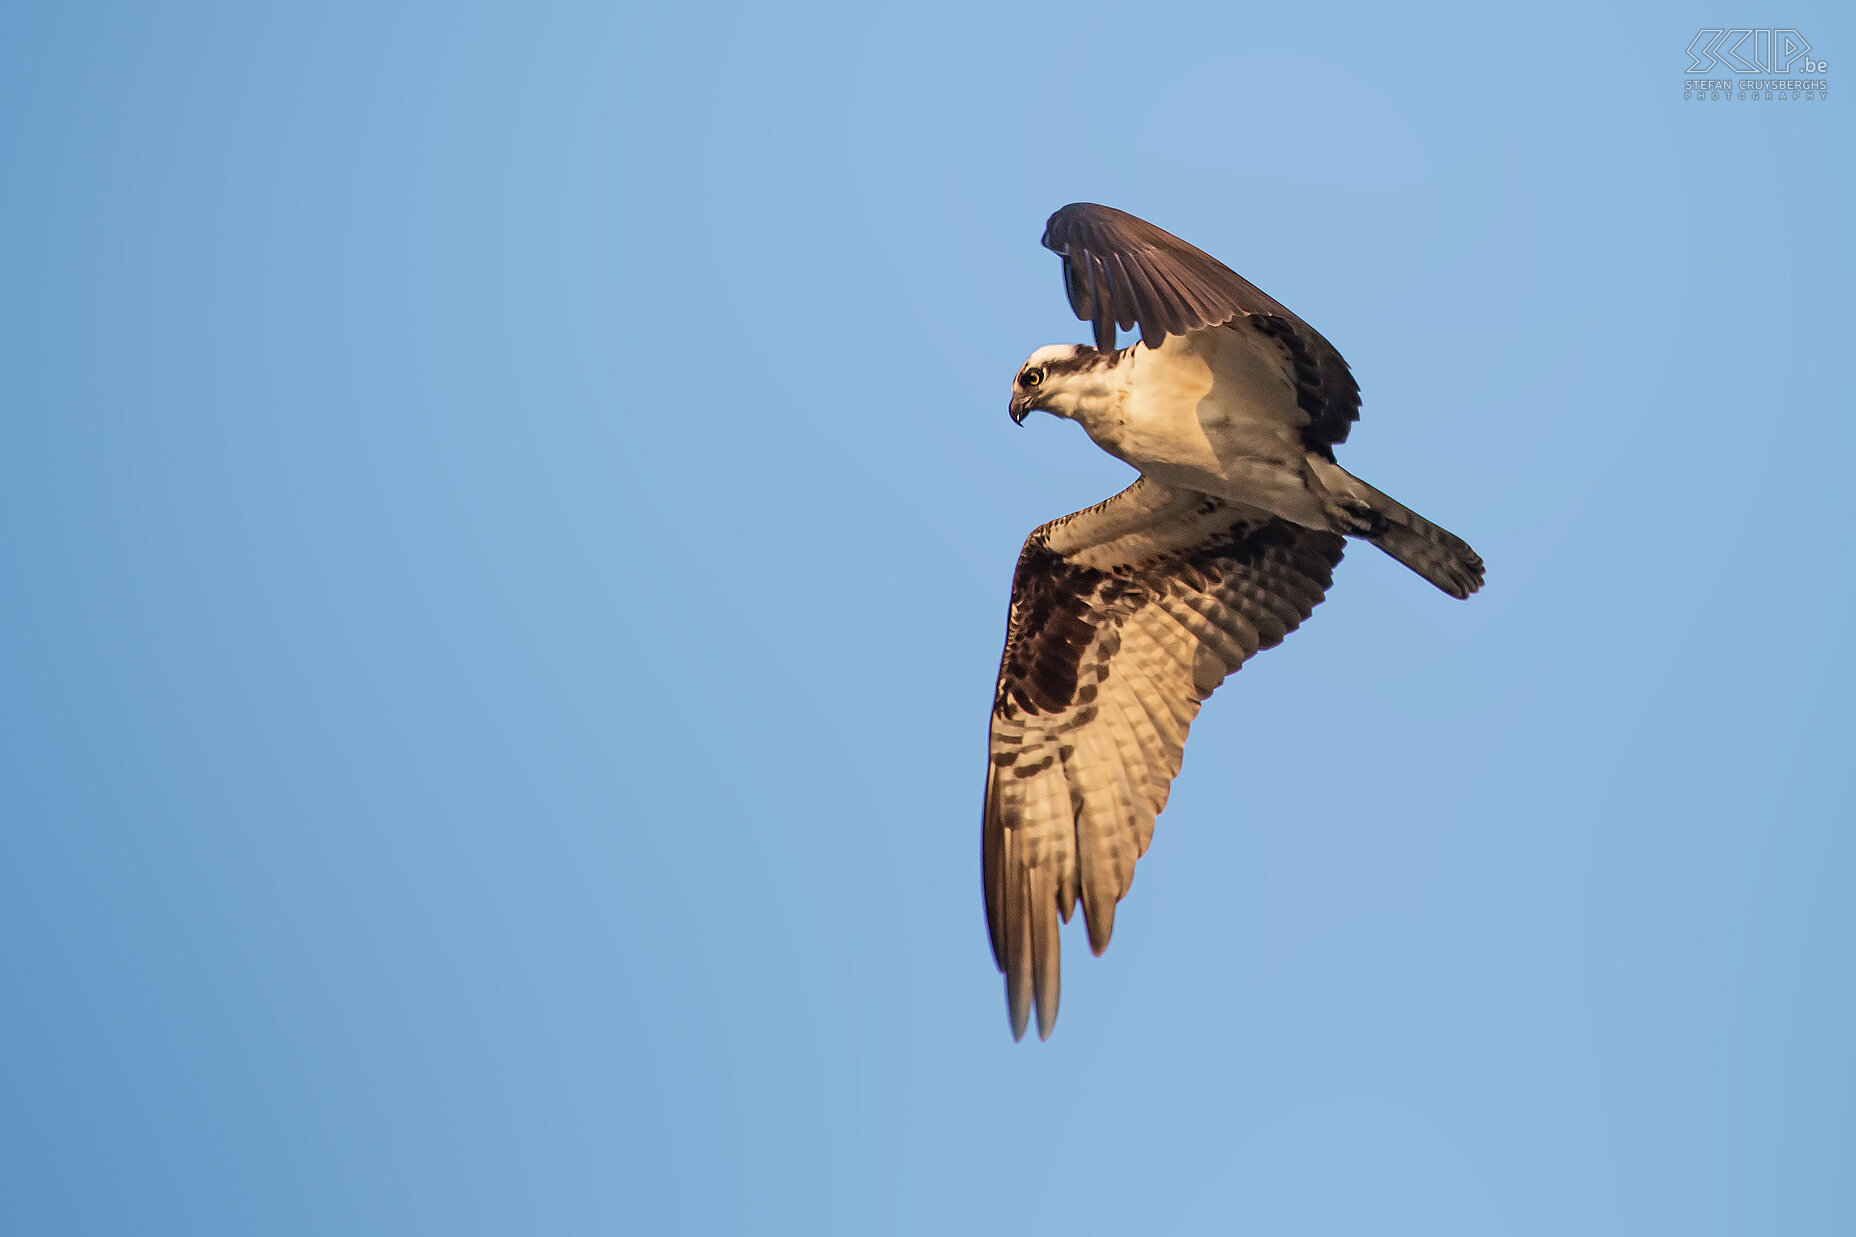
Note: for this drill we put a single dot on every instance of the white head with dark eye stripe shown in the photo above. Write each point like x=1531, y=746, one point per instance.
x=1058, y=378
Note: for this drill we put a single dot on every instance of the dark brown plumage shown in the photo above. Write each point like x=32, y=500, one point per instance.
x=1120, y=270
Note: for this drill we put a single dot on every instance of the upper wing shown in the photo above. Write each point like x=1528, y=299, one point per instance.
x=1122, y=271
x=1124, y=617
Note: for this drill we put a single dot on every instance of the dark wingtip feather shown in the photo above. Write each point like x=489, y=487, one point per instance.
x=992, y=868
x=1105, y=335
x=1061, y=221
x=1046, y=955
x=1100, y=919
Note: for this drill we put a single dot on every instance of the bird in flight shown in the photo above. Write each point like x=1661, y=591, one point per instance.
x=1125, y=616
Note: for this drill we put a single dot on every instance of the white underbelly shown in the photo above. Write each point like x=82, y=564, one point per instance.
x=1216, y=413
x=1268, y=485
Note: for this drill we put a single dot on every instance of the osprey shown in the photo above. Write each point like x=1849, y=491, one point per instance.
x=1127, y=615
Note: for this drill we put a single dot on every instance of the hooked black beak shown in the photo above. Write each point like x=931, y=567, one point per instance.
x=1019, y=409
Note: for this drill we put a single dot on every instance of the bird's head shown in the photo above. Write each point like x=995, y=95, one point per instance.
x=1059, y=379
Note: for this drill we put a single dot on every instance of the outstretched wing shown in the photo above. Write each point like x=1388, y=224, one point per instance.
x=1120, y=270
x=1124, y=618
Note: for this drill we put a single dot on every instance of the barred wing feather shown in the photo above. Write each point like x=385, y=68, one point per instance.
x=1124, y=618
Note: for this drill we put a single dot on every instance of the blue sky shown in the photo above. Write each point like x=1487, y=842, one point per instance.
x=505, y=525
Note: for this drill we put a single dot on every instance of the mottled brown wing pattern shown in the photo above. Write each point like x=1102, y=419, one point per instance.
x=1124, y=618
x=1120, y=270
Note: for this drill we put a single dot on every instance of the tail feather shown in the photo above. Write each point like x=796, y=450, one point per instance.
x=1437, y=554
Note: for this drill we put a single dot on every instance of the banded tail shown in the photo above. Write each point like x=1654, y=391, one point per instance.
x=1437, y=554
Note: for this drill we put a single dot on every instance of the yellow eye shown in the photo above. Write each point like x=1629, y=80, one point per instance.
x=1032, y=377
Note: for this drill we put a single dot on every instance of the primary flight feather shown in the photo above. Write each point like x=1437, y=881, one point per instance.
x=1125, y=616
